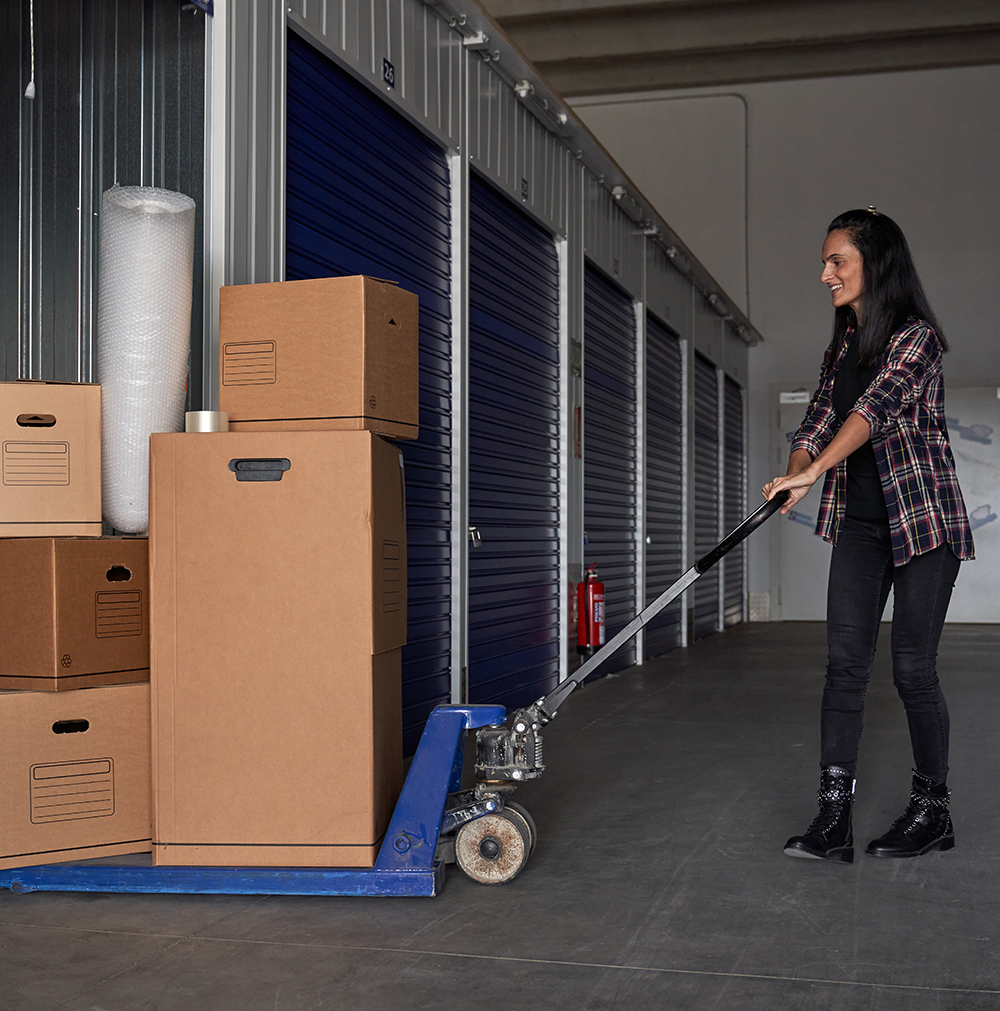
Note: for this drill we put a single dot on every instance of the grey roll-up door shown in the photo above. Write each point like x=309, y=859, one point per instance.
x=734, y=499
x=515, y=596
x=707, y=504
x=368, y=193
x=609, y=451
x=664, y=503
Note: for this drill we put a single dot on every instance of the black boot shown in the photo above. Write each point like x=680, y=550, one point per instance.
x=924, y=825
x=829, y=837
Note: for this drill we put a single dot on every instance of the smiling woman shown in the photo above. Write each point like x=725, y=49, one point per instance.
x=894, y=512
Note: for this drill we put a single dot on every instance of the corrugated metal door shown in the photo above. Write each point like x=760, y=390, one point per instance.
x=367, y=193
x=514, y=582
x=734, y=498
x=664, y=503
x=609, y=451
x=707, y=504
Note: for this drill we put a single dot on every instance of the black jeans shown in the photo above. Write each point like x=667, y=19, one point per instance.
x=861, y=573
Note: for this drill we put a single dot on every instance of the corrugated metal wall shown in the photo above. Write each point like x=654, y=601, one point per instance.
x=119, y=99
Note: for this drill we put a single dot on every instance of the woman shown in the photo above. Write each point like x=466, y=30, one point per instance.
x=893, y=510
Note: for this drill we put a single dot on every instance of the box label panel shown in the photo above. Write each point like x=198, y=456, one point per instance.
x=72, y=791
x=36, y=464
x=119, y=613
x=249, y=364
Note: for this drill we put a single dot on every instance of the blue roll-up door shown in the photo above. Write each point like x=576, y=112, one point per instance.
x=367, y=193
x=609, y=451
x=664, y=503
x=705, y=618
x=734, y=499
x=514, y=582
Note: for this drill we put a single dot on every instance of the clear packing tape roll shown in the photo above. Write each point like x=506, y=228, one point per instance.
x=143, y=337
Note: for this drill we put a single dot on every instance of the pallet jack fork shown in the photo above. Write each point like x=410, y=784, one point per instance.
x=434, y=822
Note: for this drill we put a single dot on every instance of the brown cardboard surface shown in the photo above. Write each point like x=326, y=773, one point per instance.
x=278, y=610
x=331, y=353
x=74, y=612
x=69, y=793
x=50, y=459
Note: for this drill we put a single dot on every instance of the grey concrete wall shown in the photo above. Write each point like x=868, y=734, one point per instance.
x=923, y=146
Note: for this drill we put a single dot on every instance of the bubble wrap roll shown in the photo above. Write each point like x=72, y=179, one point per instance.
x=143, y=337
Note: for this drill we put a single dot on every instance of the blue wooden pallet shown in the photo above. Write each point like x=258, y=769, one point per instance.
x=405, y=866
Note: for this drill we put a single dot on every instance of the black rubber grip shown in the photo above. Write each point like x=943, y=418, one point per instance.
x=746, y=528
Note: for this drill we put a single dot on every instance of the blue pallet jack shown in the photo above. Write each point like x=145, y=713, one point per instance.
x=435, y=821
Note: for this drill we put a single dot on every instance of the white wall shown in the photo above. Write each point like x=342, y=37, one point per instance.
x=923, y=146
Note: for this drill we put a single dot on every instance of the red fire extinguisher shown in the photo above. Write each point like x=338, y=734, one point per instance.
x=590, y=613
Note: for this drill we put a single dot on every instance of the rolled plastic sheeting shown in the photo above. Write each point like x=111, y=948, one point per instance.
x=143, y=337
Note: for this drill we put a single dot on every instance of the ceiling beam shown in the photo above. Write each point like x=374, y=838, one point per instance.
x=585, y=49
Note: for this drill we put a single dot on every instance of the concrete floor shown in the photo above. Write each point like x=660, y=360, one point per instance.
x=658, y=881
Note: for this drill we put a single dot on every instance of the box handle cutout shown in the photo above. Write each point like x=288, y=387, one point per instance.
x=36, y=420
x=70, y=726
x=119, y=574
x=259, y=470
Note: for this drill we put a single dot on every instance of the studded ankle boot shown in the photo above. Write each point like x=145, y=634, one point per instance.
x=829, y=837
x=924, y=825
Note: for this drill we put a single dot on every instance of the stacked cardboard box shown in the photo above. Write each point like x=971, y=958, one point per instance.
x=278, y=576
x=74, y=640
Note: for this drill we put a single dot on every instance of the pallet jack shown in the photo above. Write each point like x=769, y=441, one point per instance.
x=435, y=821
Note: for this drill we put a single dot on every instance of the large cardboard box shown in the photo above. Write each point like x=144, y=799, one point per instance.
x=75, y=780
x=277, y=568
x=334, y=353
x=50, y=459
x=74, y=612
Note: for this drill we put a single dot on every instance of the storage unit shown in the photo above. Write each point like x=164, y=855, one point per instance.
x=277, y=571
x=707, y=493
x=368, y=193
x=733, y=499
x=74, y=612
x=75, y=781
x=515, y=591
x=50, y=459
x=610, y=437
x=335, y=353
x=664, y=492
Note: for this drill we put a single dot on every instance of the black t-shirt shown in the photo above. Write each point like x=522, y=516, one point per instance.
x=865, y=500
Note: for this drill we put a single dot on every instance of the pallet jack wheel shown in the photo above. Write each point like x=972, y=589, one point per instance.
x=513, y=806
x=493, y=849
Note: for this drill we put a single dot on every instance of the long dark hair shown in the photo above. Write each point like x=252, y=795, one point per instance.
x=891, y=291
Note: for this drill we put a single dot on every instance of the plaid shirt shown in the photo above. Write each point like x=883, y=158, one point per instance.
x=904, y=406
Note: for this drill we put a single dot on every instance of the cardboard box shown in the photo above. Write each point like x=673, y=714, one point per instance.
x=75, y=781
x=335, y=353
x=50, y=459
x=277, y=568
x=74, y=612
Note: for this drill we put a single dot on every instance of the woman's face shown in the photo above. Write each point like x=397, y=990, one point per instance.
x=842, y=271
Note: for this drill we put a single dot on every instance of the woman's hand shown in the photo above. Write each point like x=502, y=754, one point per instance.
x=797, y=484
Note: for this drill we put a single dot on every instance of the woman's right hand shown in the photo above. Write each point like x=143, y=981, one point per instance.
x=797, y=485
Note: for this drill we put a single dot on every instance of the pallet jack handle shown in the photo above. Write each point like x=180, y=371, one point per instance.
x=540, y=712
